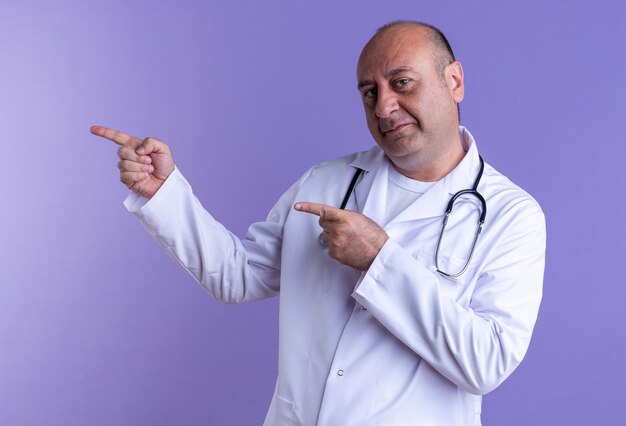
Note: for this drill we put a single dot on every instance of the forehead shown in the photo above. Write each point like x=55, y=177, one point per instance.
x=402, y=46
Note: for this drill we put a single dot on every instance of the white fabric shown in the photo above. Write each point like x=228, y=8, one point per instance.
x=399, y=344
x=402, y=192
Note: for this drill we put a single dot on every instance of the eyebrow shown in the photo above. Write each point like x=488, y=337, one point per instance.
x=391, y=73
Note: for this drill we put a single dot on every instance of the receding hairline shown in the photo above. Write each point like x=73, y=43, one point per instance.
x=441, y=48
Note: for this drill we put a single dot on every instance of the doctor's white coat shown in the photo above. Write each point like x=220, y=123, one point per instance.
x=398, y=344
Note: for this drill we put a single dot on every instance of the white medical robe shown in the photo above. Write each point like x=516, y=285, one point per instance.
x=398, y=344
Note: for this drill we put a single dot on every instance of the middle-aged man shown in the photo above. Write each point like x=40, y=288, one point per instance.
x=389, y=315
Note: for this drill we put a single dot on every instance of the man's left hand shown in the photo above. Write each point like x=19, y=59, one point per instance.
x=352, y=238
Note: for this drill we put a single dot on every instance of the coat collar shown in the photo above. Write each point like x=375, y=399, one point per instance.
x=373, y=187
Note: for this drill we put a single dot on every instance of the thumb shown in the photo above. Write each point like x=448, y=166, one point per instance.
x=151, y=145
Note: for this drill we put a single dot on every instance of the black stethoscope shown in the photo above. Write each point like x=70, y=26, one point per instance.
x=471, y=192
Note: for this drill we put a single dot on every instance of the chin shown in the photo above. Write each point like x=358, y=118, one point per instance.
x=401, y=147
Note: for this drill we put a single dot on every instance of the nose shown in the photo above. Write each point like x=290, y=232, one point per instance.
x=386, y=103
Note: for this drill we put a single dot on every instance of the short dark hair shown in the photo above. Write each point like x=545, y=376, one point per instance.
x=443, y=50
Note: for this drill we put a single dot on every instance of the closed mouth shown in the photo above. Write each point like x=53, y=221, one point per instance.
x=395, y=129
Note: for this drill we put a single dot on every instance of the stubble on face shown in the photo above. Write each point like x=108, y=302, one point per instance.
x=414, y=123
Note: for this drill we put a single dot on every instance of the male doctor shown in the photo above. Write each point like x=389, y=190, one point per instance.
x=386, y=316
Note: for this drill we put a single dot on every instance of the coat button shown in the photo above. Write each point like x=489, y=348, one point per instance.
x=340, y=372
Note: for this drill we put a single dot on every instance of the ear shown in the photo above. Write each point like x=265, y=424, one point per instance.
x=454, y=80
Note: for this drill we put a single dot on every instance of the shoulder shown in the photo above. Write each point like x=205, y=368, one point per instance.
x=502, y=195
x=365, y=160
x=326, y=182
x=505, y=198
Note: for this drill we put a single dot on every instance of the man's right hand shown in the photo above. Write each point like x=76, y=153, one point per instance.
x=144, y=164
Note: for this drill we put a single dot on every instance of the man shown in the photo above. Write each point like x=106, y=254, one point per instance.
x=386, y=316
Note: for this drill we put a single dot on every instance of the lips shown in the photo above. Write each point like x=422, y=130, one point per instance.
x=392, y=127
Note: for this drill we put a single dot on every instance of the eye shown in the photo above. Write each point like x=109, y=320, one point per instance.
x=402, y=82
x=370, y=93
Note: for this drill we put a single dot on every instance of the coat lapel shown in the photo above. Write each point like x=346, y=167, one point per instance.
x=371, y=192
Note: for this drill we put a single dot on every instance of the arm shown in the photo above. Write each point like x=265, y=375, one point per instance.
x=231, y=269
x=476, y=347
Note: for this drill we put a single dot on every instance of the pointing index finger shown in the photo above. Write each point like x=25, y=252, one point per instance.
x=321, y=210
x=116, y=136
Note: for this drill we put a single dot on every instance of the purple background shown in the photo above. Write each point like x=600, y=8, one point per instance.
x=98, y=327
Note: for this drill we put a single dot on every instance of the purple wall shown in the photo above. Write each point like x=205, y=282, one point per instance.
x=98, y=327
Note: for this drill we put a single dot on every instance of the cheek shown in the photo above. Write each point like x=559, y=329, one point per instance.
x=440, y=105
x=415, y=105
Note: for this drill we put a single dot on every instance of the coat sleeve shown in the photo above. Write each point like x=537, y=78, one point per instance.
x=231, y=269
x=476, y=346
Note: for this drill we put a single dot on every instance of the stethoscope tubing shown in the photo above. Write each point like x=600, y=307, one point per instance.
x=471, y=191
